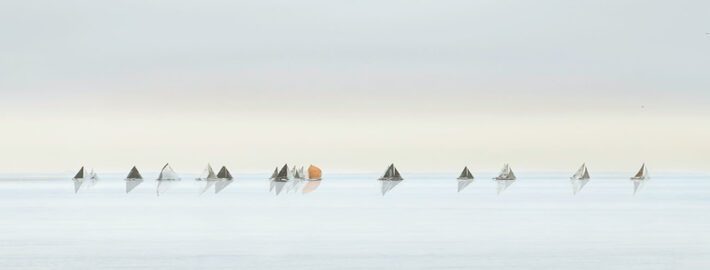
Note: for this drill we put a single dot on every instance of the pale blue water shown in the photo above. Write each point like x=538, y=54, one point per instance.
x=423, y=223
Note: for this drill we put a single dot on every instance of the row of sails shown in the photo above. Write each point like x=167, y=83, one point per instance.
x=581, y=174
x=292, y=179
x=209, y=175
x=286, y=174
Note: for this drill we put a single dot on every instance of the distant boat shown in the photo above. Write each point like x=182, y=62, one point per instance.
x=93, y=175
x=314, y=173
x=301, y=173
x=78, y=179
x=642, y=174
x=283, y=174
x=391, y=174
x=506, y=173
x=581, y=174
x=80, y=174
x=133, y=179
x=168, y=174
x=208, y=174
x=224, y=174
x=465, y=174
x=134, y=175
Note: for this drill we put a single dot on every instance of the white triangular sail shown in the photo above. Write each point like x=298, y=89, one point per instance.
x=506, y=173
x=642, y=174
x=168, y=174
x=581, y=174
x=208, y=174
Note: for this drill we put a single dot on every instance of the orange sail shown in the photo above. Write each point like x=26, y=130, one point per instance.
x=314, y=173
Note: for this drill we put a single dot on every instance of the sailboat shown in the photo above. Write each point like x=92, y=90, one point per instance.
x=579, y=179
x=168, y=174
x=581, y=174
x=133, y=179
x=642, y=174
x=79, y=175
x=93, y=175
x=225, y=178
x=314, y=173
x=93, y=178
x=165, y=178
x=134, y=175
x=465, y=174
x=208, y=174
x=391, y=174
x=506, y=173
x=282, y=175
x=78, y=179
x=390, y=179
x=224, y=174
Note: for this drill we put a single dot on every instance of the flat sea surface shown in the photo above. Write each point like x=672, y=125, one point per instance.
x=346, y=223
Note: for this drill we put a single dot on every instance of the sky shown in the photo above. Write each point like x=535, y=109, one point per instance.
x=354, y=85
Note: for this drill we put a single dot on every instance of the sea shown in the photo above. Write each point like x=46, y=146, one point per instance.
x=540, y=221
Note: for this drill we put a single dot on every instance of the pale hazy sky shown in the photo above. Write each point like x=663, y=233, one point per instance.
x=354, y=85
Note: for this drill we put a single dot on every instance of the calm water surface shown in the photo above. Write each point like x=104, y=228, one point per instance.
x=423, y=223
